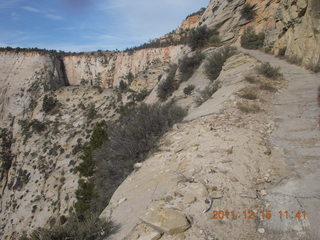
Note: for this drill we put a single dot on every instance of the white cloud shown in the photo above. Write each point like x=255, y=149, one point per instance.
x=54, y=17
x=42, y=12
x=14, y=16
x=31, y=9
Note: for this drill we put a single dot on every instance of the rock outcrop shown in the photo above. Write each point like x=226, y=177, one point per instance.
x=290, y=25
x=218, y=152
x=108, y=69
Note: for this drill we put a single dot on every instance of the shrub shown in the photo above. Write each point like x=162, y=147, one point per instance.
x=248, y=11
x=189, y=89
x=199, y=37
x=37, y=126
x=169, y=85
x=85, y=194
x=48, y=103
x=207, y=93
x=91, y=112
x=130, y=77
x=249, y=93
x=6, y=155
x=267, y=87
x=268, y=71
x=250, y=79
x=248, y=108
x=91, y=228
x=87, y=190
x=216, y=61
x=130, y=141
x=189, y=64
x=251, y=40
x=282, y=51
x=123, y=87
x=139, y=96
x=215, y=39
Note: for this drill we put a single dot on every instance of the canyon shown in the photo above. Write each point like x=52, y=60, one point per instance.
x=218, y=155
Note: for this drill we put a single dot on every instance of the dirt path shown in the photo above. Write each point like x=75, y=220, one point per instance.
x=296, y=113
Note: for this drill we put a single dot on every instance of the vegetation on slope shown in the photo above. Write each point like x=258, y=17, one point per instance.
x=74, y=228
x=216, y=61
x=114, y=148
x=251, y=40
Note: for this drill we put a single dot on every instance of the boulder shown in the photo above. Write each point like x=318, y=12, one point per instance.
x=166, y=220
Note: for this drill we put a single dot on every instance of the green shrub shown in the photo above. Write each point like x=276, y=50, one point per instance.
x=268, y=71
x=199, y=37
x=188, y=90
x=6, y=155
x=87, y=193
x=91, y=112
x=215, y=39
x=207, y=93
x=216, y=61
x=139, y=96
x=248, y=11
x=188, y=65
x=90, y=228
x=130, y=77
x=169, y=85
x=49, y=103
x=251, y=40
x=123, y=87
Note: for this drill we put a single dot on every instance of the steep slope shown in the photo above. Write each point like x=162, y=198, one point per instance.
x=108, y=69
x=22, y=73
x=290, y=25
x=218, y=153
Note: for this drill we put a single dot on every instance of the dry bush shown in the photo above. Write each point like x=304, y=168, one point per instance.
x=268, y=87
x=268, y=71
x=130, y=141
x=188, y=65
x=90, y=228
x=249, y=93
x=216, y=61
x=169, y=85
x=251, y=79
x=207, y=93
x=246, y=107
x=248, y=11
x=251, y=40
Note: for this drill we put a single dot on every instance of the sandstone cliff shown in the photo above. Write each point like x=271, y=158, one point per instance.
x=39, y=180
x=288, y=24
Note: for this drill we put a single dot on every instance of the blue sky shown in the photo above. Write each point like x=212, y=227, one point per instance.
x=87, y=25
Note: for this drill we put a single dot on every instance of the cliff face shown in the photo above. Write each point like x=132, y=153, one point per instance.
x=110, y=68
x=38, y=149
x=26, y=76
x=290, y=25
x=38, y=180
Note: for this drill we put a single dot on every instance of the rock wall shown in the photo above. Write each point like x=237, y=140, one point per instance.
x=289, y=25
x=110, y=68
x=23, y=74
